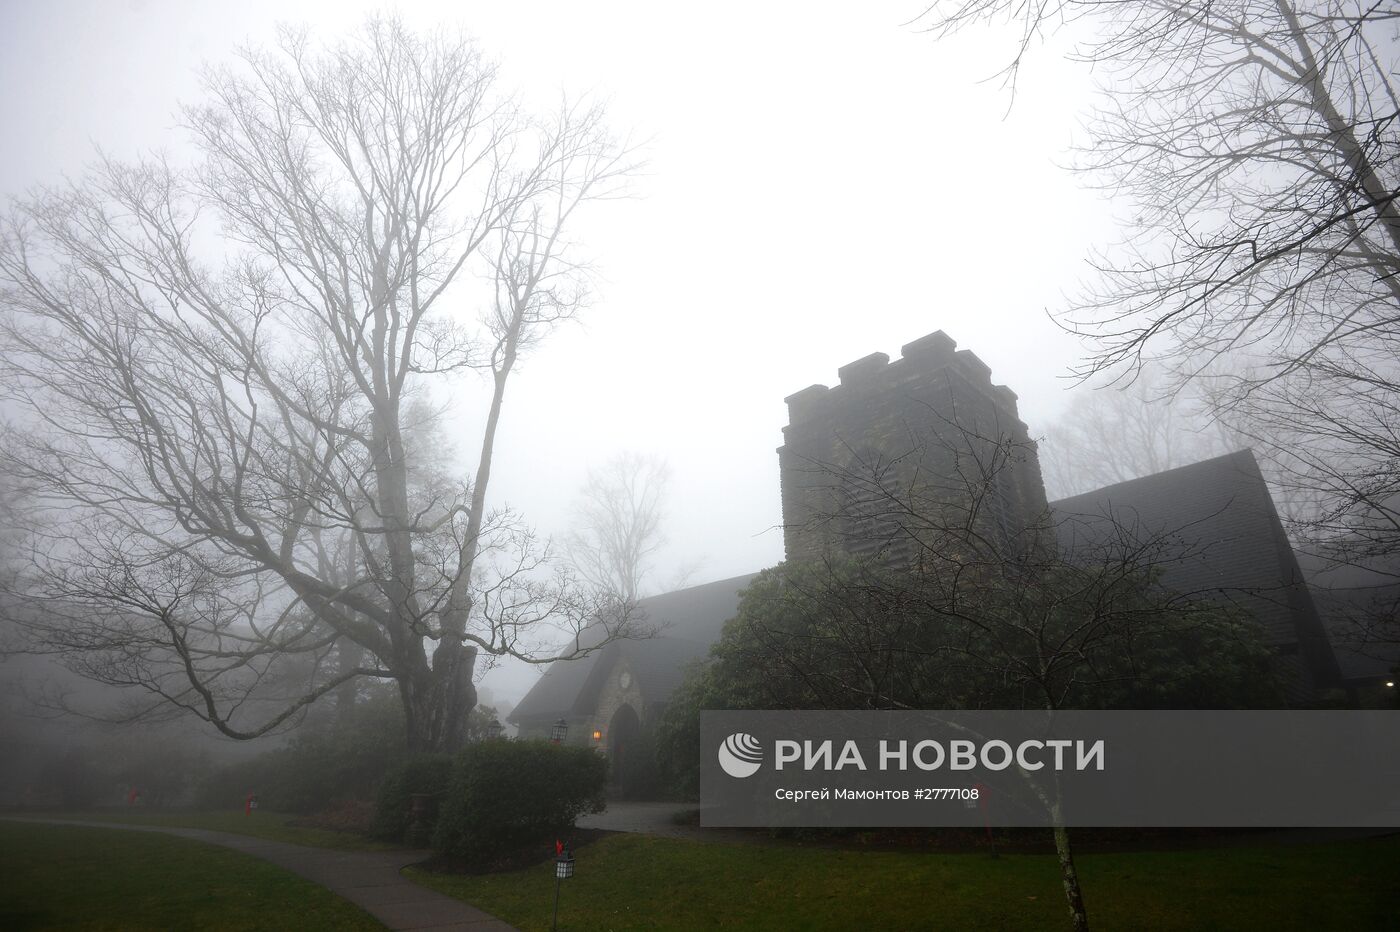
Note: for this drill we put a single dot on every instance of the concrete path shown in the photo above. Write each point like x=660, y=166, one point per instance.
x=369, y=879
x=659, y=819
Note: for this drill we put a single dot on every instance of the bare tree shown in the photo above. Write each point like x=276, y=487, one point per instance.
x=14, y=508
x=618, y=525
x=1333, y=437
x=1334, y=452
x=218, y=367
x=1116, y=432
x=1256, y=145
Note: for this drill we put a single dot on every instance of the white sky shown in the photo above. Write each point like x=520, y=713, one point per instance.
x=824, y=183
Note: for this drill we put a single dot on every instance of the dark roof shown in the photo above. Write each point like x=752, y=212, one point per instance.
x=686, y=622
x=1352, y=597
x=1217, y=536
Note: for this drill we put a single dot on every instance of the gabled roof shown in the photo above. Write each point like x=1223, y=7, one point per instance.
x=686, y=621
x=1218, y=536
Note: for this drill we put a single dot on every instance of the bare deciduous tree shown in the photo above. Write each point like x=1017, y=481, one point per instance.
x=221, y=368
x=1118, y=432
x=1256, y=145
x=618, y=525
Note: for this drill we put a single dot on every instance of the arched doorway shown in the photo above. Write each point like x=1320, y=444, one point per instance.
x=624, y=744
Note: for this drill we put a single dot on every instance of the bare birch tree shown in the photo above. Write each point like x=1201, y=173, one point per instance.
x=216, y=367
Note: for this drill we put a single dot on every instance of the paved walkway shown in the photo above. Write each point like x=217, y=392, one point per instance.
x=659, y=819
x=369, y=879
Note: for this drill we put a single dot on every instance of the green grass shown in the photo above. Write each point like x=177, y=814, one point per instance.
x=64, y=877
x=260, y=824
x=639, y=882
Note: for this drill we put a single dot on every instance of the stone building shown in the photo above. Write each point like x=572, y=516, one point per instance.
x=924, y=435
x=915, y=430
x=610, y=698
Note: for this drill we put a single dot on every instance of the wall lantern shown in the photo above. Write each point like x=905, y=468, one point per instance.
x=559, y=732
x=494, y=729
x=597, y=734
x=1390, y=684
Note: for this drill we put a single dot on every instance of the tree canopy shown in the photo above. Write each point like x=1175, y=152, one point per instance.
x=858, y=635
x=223, y=376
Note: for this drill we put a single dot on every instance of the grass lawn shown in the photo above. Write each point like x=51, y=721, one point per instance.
x=64, y=877
x=260, y=824
x=640, y=882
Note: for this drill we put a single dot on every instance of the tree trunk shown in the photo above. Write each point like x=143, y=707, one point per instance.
x=438, y=703
x=414, y=718
x=453, y=666
x=1069, y=876
x=349, y=656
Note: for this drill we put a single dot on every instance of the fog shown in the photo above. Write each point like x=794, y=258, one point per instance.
x=823, y=182
x=394, y=436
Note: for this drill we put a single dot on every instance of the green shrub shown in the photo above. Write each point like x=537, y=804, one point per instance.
x=429, y=774
x=509, y=797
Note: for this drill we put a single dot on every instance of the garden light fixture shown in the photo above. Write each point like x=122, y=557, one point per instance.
x=563, y=870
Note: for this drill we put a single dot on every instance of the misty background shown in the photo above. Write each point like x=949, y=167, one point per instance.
x=823, y=182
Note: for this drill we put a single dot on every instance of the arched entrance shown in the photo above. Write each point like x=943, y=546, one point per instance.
x=624, y=744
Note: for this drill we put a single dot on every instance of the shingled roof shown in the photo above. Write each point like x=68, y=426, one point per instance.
x=1219, y=537
x=687, y=622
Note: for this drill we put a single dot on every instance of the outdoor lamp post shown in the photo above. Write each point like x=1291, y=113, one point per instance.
x=563, y=870
x=494, y=729
x=559, y=732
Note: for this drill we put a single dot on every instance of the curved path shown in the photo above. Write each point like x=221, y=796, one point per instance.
x=369, y=879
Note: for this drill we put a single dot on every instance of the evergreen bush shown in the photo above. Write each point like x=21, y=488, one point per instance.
x=507, y=798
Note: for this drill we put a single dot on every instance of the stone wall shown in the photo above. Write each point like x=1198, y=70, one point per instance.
x=914, y=434
x=611, y=697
